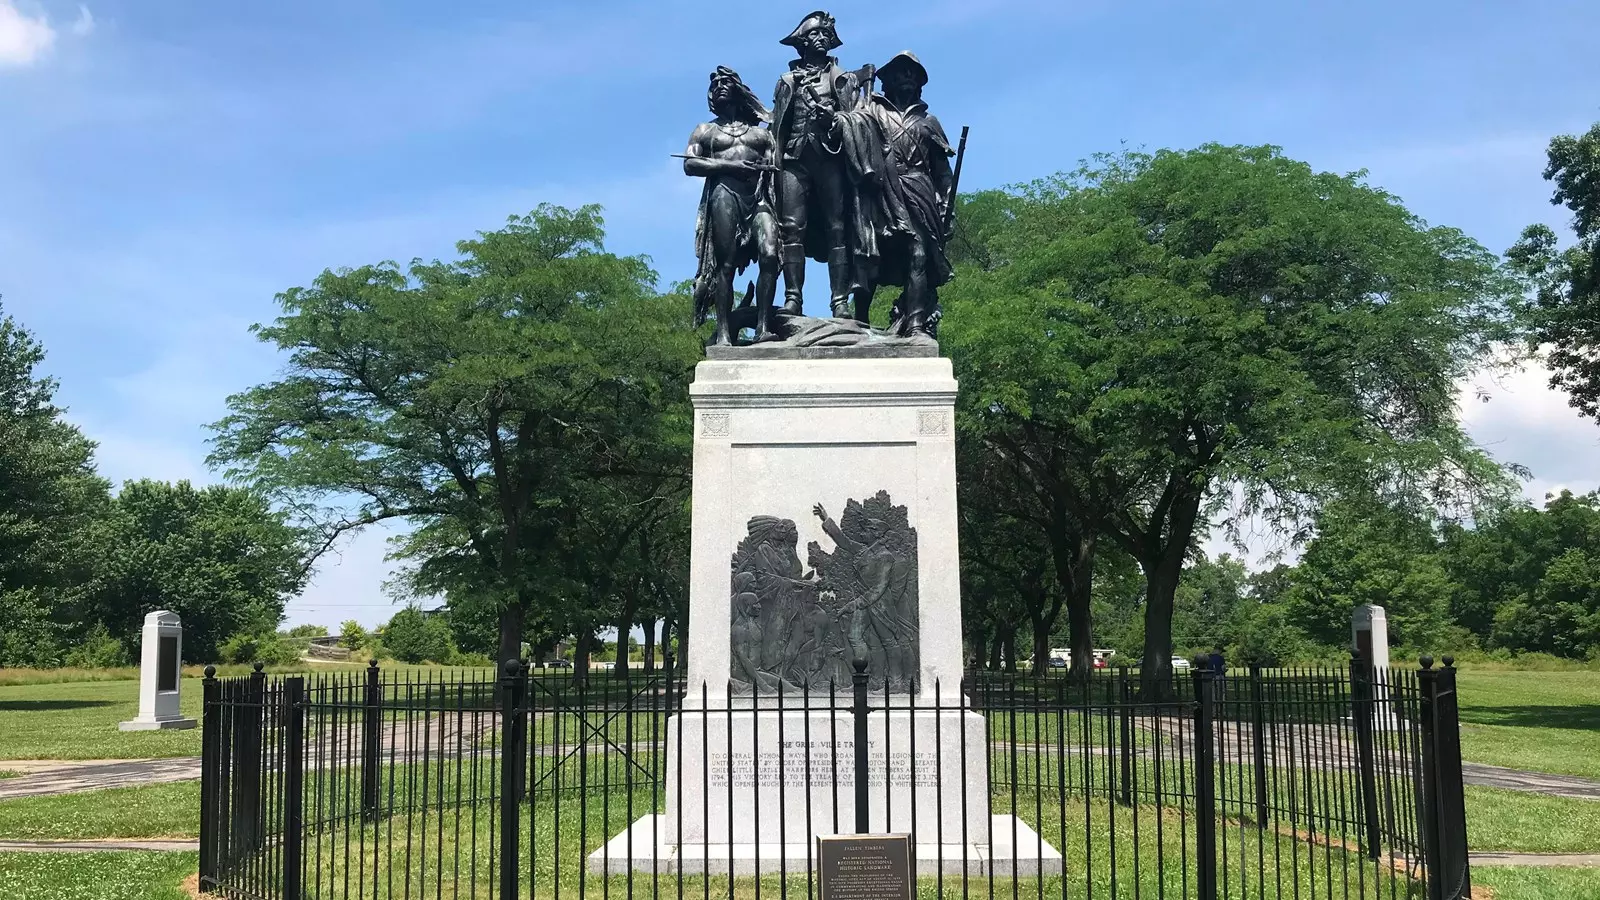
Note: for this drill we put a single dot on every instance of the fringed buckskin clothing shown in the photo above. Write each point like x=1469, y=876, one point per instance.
x=748, y=198
x=921, y=153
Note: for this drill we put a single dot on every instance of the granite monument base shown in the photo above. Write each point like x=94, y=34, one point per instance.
x=156, y=724
x=1015, y=850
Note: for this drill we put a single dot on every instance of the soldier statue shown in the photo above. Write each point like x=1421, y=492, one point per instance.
x=835, y=190
x=736, y=223
x=920, y=154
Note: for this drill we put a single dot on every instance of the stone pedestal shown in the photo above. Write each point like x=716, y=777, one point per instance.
x=824, y=529
x=160, y=675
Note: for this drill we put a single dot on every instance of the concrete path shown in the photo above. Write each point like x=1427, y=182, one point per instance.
x=99, y=845
x=43, y=777
x=1532, y=782
x=1573, y=860
x=54, y=776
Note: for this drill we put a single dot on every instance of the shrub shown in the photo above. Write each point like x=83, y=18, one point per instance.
x=352, y=635
x=414, y=637
x=257, y=646
x=97, y=649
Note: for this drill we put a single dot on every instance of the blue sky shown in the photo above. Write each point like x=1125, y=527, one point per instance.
x=167, y=167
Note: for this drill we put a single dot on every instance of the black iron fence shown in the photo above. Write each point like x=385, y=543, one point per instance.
x=1304, y=783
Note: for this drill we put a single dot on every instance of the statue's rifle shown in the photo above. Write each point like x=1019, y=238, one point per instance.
x=955, y=181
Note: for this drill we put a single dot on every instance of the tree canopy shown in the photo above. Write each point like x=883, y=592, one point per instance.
x=1152, y=329
x=486, y=401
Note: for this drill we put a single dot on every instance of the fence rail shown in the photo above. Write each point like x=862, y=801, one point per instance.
x=1306, y=783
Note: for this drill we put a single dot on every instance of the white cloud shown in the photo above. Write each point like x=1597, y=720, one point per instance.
x=24, y=39
x=84, y=24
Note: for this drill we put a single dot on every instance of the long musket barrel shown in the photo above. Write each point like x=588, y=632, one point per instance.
x=955, y=180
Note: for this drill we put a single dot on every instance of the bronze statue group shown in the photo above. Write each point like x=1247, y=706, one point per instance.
x=836, y=172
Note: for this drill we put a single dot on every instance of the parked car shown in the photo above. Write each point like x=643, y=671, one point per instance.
x=558, y=664
x=1180, y=664
x=1057, y=662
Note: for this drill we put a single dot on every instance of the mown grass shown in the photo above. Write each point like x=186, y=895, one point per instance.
x=95, y=876
x=1146, y=849
x=157, y=810
x=1537, y=883
x=78, y=720
x=1542, y=722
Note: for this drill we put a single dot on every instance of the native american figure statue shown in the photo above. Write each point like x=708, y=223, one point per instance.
x=737, y=224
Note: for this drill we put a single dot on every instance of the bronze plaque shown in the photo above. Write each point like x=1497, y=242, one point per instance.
x=866, y=867
x=167, y=663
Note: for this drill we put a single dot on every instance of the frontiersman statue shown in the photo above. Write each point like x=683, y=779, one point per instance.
x=921, y=154
x=836, y=193
x=736, y=223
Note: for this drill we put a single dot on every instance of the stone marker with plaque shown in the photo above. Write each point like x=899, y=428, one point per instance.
x=160, y=675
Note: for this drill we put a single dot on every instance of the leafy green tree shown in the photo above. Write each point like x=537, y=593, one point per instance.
x=1369, y=554
x=351, y=635
x=1561, y=615
x=480, y=400
x=1566, y=282
x=219, y=556
x=1155, y=328
x=413, y=636
x=52, y=505
x=1505, y=557
x=1207, y=603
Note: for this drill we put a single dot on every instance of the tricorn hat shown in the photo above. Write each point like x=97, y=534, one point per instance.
x=905, y=59
x=816, y=19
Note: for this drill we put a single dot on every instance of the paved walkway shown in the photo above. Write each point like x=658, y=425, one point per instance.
x=43, y=777
x=1574, y=860
x=99, y=845
x=1532, y=782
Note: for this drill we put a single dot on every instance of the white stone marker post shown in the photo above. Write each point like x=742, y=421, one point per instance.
x=1369, y=634
x=160, y=675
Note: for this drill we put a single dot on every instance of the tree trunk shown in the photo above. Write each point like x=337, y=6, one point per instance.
x=1080, y=625
x=995, y=654
x=625, y=632
x=649, y=646
x=580, y=653
x=511, y=632
x=1011, y=651
x=977, y=643
x=1041, y=646
x=1163, y=566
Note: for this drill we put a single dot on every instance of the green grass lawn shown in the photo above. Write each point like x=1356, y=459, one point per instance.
x=95, y=876
x=1531, y=823
x=1511, y=883
x=159, y=810
x=1539, y=721
x=78, y=720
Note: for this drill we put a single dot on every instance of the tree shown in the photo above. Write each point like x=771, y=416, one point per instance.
x=219, y=556
x=480, y=400
x=1161, y=327
x=52, y=505
x=414, y=636
x=1566, y=283
x=351, y=635
x=1561, y=615
x=1370, y=554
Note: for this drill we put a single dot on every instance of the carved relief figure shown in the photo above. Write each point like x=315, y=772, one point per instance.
x=792, y=629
